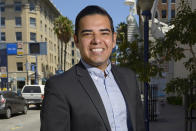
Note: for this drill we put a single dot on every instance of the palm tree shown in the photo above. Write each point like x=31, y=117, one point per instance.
x=63, y=27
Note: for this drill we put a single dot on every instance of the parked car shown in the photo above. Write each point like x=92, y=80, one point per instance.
x=34, y=94
x=11, y=103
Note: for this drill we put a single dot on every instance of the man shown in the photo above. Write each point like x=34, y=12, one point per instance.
x=93, y=95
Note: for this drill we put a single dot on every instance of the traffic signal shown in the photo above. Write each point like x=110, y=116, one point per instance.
x=38, y=48
x=34, y=48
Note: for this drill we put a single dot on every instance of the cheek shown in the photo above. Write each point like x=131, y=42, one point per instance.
x=110, y=44
x=83, y=48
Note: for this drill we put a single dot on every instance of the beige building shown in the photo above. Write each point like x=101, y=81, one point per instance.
x=29, y=21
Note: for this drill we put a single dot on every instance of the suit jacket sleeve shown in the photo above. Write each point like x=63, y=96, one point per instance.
x=55, y=114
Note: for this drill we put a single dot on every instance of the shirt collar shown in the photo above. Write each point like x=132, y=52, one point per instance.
x=95, y=71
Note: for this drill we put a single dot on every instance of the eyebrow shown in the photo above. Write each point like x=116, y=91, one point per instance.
x=105, y=30
x=102, y=30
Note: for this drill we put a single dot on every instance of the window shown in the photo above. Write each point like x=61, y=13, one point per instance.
x=32, y=89
x=173, y=14
x=32, y=36
x=18, y=6
x=40, y=25
x=2, y=6
x=41, y=37
x=164, y=1
x=72, y=43
x=18, y=21
x=72, y=52
x=3, y=36
x=46, y=28
x=73, y=62
x=45, y=14
x=173, y=1
x=19, y=66
x=2, y=21
x=32, y=6
x=32, y=22
x=54, y=48
x=164, y=12
x=18, y=36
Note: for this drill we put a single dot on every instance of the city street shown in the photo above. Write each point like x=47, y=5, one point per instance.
x=171, y=118
x=20, y=122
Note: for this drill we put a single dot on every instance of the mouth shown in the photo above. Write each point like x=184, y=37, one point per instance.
x=97, y=50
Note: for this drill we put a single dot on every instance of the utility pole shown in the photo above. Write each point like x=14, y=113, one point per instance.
x=0, y=45
x=169, y=10
x=27, y=69
x=36, y=71
x=0, y=21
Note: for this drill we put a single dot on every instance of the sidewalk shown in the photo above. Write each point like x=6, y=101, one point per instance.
x=171, y=118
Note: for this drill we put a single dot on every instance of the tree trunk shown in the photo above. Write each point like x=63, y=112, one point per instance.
x=61, y=55
x=186, y=112
x=65, y=53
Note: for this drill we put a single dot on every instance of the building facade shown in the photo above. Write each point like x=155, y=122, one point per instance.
x=31, y=21
x=166, y=10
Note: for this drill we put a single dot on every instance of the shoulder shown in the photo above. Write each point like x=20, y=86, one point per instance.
x=64, y=77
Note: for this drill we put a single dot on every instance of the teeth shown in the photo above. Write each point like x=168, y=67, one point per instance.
x=97, y=50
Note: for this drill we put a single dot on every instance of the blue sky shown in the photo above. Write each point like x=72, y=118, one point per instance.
x=116, y=8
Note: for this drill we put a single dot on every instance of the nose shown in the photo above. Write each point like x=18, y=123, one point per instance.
x=96, y=39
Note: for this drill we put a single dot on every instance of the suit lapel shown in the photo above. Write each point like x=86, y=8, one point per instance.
x=89, y=86
x=126, y=93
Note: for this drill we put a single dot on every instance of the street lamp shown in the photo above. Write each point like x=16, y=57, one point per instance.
x=145, y=6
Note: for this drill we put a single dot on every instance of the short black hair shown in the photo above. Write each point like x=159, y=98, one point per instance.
x=91, y=10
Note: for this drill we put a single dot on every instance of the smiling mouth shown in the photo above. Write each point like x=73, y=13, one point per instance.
x=97, y=50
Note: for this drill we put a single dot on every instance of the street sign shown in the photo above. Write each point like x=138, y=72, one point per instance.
x=34, y=48
x=20, y=50
x=3, y=71
x=12, y=49
x=43, y=48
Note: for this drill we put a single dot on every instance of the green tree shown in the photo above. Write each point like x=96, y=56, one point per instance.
x=63, y=27
x=178, y=42
x=180, y=39
x=131, y=55
x=171, y=47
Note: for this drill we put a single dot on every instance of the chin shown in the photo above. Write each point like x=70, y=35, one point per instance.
x=98, y=63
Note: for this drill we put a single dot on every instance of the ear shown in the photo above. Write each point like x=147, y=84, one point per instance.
x=114, y=39
x=76, y=40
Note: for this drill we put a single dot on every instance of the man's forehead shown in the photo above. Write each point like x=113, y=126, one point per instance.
x=94, y=22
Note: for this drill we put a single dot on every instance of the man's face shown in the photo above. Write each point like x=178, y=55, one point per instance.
x=95, y=40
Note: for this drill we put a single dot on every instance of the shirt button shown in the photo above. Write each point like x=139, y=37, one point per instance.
x=95, y=77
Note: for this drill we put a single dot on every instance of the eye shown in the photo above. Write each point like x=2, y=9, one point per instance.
x=87, y=34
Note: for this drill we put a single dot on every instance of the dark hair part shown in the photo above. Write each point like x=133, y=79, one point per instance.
x=91, y=10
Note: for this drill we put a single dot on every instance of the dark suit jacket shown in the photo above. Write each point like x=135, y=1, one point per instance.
x=72, y=102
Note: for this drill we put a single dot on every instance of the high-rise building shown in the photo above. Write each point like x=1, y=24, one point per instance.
x=31, y=21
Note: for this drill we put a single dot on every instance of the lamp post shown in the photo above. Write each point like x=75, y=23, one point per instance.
x=145, y=6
